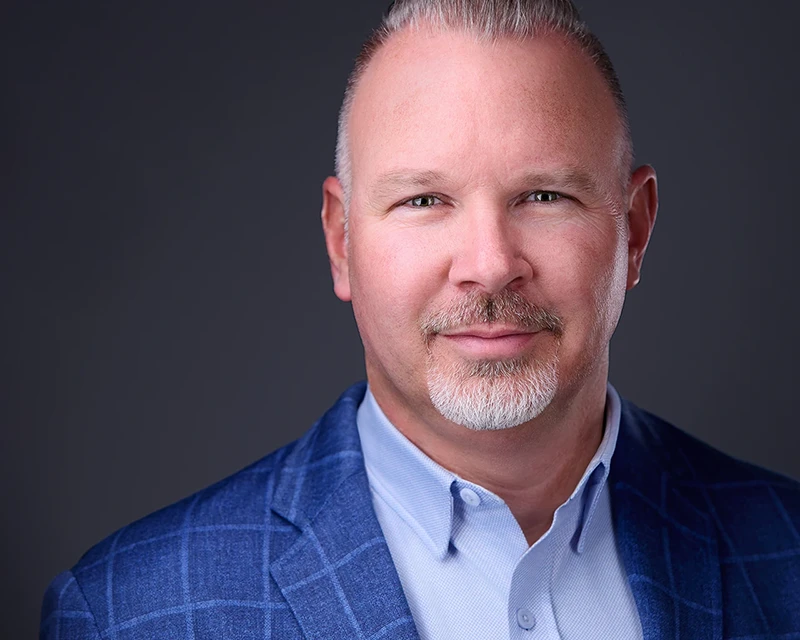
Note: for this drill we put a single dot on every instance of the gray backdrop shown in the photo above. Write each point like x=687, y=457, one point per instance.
x=166, y=303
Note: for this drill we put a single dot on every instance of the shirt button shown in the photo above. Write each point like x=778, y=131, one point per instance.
x=525, y=619
x=470, y=497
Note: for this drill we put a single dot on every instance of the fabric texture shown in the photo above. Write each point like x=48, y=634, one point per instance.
x=466, y=568
x=290, y=547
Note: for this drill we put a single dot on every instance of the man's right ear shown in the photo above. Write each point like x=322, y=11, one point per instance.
x=333, y=221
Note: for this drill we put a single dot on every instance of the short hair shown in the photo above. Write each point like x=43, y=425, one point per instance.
x=486, y=19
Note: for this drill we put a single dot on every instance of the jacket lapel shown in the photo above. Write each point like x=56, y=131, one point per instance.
x=665, y=536
x=336, y=573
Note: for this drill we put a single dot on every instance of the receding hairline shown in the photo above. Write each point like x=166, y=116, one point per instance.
x=575, y=34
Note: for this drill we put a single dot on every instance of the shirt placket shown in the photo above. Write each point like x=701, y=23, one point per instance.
x=531, y=612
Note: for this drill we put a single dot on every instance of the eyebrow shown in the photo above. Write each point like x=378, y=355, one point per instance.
x=388, y=184
x=572, y=178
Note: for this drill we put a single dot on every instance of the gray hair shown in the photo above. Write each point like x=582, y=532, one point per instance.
x=486, y=19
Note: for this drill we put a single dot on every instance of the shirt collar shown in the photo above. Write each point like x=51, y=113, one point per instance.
x=419, y=490
x=590, y=487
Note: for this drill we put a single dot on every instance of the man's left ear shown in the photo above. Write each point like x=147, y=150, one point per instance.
x=642, y=209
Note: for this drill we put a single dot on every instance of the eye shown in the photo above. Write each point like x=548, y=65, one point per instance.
x=543, y=196
x=423, y=201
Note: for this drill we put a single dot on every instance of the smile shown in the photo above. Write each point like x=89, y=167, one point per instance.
x=490, y=343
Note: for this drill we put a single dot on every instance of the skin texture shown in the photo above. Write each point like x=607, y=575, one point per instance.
x=476, y=128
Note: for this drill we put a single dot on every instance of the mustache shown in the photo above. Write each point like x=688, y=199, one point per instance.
x=507, y=307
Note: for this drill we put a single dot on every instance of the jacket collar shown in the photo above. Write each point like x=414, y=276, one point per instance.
x=665, y=535
x=336, y=573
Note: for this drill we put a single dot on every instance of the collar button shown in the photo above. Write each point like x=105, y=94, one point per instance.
x=470, y=497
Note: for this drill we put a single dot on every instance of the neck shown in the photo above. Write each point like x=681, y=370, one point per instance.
x=533, y=467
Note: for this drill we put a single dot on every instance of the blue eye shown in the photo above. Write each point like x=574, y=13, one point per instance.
x=422, y=202
x=543, y=196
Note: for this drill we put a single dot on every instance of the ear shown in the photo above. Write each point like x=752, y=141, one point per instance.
x=333, y=216
x=642, y=209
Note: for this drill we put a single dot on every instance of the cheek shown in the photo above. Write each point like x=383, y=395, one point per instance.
x=394, y=277
x=583, y=269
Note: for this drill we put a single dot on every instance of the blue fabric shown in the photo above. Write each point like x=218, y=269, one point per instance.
x=290, y=547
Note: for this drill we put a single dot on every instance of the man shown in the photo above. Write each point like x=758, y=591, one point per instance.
x=488, y=482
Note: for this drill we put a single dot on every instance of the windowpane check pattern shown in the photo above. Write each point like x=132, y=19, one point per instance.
x=290, y=547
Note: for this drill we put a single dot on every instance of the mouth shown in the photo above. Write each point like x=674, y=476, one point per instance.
x=490, y=343
x=487, y=332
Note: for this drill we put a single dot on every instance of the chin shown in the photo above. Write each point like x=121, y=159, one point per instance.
x=491, y=395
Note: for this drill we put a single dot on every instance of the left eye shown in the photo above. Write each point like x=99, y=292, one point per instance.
x=423, y=201
x=543, y=196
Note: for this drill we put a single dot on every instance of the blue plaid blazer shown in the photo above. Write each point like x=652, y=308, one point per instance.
x=290, y=547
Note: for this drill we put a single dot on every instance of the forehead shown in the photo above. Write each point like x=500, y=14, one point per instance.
x=477, y=110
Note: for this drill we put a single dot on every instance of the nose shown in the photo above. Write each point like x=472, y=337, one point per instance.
x=488, y=252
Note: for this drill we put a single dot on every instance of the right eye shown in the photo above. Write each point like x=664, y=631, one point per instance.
x=423, y=201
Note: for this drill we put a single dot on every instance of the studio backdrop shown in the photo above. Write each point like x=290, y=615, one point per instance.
x=168, y=315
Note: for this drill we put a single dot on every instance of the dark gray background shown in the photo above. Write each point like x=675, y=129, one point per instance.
x=166, y=303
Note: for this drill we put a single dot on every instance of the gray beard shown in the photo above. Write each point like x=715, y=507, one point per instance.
x=492, y=395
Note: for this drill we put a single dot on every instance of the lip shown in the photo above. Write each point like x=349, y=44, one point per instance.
x=491, y=343
x=488, y=332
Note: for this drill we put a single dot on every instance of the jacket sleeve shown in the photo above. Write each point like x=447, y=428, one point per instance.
x=65, y=612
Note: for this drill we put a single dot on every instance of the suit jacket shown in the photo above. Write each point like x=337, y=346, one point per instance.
x=290, y=547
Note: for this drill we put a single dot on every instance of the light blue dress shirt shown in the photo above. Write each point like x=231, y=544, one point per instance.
x=465, y=566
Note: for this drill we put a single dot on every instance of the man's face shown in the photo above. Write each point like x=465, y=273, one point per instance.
x=488, y=252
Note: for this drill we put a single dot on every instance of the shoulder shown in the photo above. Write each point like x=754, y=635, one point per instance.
x=697, y=461
x=720, y=531
x=216, y=545
x=147, y=567
x=739, y=496
x=143, y=569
